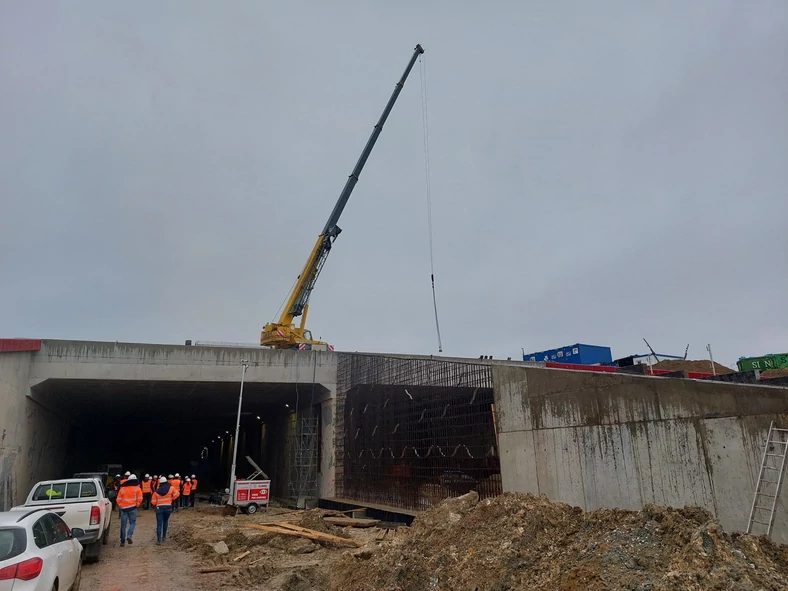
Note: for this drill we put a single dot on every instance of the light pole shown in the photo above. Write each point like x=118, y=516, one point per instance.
x=244, y=366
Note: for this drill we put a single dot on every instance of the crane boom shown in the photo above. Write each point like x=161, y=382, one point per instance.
x=284, y=334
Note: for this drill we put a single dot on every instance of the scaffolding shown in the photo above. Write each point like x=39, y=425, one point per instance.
x=303, y=479
x=411, y=432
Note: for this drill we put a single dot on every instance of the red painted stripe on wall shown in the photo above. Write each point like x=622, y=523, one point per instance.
x=16, y=345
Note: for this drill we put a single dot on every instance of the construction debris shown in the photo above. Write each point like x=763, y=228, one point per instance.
x=214, y=569
x=521, y=542
x=220, y=548
x=351, y=522
x=288, y=529
x=241, y=556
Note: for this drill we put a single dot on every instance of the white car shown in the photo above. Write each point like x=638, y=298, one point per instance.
x=82, y=505
x=38, y=552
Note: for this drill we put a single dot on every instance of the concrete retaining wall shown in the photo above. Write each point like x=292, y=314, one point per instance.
x=603, y=440
x=32, y=438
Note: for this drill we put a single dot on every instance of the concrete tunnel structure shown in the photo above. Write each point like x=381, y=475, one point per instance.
x=393, y=432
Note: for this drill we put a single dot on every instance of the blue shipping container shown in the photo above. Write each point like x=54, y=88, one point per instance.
x=577, y=353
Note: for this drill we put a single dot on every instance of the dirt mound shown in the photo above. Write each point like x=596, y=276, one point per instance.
x=699, y=365
x=520, y=542
x=314, y=520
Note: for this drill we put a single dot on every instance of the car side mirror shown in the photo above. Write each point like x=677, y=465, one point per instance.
x=77, y=532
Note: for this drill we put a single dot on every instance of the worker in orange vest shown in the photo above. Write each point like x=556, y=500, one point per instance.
x=194, y=489
x=175, y=482
x=129, y=498
x=186, y=495
x=147, y=491
x=125, y=477
x=164, y=498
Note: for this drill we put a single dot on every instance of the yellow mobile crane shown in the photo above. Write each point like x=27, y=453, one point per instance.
x=284, y=334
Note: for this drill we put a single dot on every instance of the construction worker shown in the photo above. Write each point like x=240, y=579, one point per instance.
x=125, y=477
x=164, y=498
x=147, y=491
x=115, y=488
x=129, y=498
x=175, y=482
x=186, y=496
x=194, y=490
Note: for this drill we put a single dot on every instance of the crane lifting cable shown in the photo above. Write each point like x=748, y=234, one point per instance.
x=425, y=124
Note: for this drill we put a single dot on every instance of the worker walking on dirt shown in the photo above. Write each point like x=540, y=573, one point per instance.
x=147, y=491
x=129, y=498
x=164, y=498
x=186, y=495
x=175, y=482
x=194, y=490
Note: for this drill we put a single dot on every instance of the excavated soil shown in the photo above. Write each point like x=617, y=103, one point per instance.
x=510, y=543
x=699, y=365
x=520, y=542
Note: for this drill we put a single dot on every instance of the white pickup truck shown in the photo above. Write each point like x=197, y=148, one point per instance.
x=82, y=504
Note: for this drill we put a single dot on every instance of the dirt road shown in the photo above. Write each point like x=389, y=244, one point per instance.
x=134, y=567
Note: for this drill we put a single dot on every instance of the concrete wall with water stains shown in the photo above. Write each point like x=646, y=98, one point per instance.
x=611, y=440
x=32, y=438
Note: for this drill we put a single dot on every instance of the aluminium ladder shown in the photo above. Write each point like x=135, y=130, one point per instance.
x=770, y=479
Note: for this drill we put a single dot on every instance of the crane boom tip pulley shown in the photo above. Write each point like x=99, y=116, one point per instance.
x=284, y=334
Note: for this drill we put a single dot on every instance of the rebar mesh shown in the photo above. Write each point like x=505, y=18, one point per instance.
x=411, y=432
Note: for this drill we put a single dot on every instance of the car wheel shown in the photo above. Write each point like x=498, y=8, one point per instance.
x=93, y=551
x=78, y=578
x=251, y=508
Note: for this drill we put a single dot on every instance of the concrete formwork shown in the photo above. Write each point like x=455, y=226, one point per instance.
x=611, y=440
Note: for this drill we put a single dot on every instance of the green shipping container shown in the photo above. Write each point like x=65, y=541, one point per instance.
x=763, y=363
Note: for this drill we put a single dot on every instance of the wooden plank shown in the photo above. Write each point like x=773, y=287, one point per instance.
x=303, y=532
x=240, y=556
x=256, y=561
x=214, y=569
x=351, y=521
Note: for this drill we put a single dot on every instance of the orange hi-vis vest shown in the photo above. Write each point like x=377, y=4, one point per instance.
x=194, y=484
x=145, y=487
x=129, y=497
x=187, y=488
x=166, y=499
x=176, y=482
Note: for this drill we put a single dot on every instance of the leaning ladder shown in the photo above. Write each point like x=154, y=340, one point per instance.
x=770, y=478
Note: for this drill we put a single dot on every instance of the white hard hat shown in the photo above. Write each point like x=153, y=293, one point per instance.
x=177, y=475
x=132, y=477
x=147, y=476
x=193, y=476
x=128, y=473
x=117, y=475
x=170, y=476
x=162, y=480
x=188, y=479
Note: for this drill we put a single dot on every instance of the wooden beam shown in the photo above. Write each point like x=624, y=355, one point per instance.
x=351, y=522
x=240, y=556
x=302, y=532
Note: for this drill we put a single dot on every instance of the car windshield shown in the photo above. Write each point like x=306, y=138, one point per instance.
x=12, y=542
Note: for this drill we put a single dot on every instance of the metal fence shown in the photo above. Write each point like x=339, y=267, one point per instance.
x=411, y=432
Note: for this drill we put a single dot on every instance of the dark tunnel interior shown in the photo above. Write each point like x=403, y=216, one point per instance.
x=186, y=427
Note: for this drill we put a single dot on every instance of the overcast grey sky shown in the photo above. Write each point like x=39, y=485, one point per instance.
x=601, y=171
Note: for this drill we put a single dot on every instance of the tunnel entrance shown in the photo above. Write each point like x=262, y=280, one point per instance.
x=159, y=427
